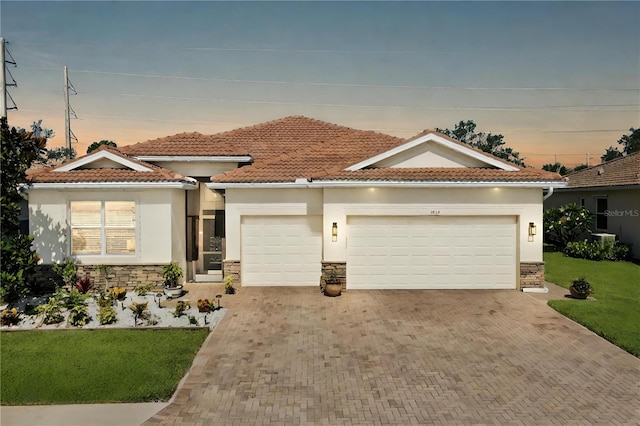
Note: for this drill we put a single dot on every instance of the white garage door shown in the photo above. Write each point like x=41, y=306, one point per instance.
x=431, y=252
x=281, y=250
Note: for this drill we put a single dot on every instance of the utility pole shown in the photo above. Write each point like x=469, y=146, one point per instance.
x=67, y=113
x=587, y=159
x=5, y=96
x=3, y=81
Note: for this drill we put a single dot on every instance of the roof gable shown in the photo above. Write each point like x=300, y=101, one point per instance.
x=431, y=149
x=103, y=158
x=108, y=167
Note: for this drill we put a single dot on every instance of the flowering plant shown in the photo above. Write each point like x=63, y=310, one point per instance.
x=204, y=305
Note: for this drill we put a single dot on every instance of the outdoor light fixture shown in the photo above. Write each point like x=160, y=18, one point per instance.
x=334, y=232
x=532, y=230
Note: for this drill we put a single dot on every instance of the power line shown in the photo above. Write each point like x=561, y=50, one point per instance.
x=473, y=108
x=321, y=84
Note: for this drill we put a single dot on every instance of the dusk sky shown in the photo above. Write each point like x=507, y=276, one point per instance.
x=556, y=78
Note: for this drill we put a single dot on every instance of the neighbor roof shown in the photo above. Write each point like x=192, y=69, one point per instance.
x=624, y=171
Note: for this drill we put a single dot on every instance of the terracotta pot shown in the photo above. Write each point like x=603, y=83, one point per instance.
x=577, y=295
x=332, y=290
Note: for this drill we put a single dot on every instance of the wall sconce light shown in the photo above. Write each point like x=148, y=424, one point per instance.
x=532, y=230
x=334, y=232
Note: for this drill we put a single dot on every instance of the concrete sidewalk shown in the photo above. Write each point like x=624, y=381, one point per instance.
x=79, y=414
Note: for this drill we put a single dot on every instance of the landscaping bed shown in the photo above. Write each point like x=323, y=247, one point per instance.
x=160, y=312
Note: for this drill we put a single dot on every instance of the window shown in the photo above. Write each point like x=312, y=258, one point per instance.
x=103, y=227
x=581, y=202
x=601, y=213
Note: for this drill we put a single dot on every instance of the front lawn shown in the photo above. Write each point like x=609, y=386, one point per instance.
x=94, y=366
x=616, y=288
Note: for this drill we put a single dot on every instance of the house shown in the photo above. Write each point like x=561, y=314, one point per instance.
x=292, y=200
x=611, y=192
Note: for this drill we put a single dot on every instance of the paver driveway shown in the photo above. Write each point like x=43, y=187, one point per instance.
x=293, y=356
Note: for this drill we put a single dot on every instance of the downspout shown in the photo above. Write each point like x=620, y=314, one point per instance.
x=549, y=194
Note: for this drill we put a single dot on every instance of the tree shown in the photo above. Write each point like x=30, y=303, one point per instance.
x=631, y=142
x=610, y=154
x=556, y=167
x=465, y=131
x=96, y=145
x=566, y=224
x=579, y=167
x=19, y=149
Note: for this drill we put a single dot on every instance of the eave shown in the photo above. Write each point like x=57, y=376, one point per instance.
x=113, y=185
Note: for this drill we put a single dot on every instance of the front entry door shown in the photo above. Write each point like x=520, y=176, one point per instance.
x=212, y=243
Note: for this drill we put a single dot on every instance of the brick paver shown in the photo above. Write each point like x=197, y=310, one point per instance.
x=290, y=356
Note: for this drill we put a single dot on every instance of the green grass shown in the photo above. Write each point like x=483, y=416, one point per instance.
x=93, y=366
x=614, y=314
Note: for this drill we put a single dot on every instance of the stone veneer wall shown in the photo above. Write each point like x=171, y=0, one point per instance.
x=232, y=267
x=339, y=268
x=531, y=274
x=127, y=276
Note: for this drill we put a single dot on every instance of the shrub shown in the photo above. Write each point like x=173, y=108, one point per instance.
x=78, y=315
x=67, y=271
x=118, y=293
x=142, y=290
x=10, y=317
x=171, y=274
x=180, y=308
x=581, y=286
x=228, y=285
x=597, y=251
x=139, y=310
x=83, y=285
x=51, y=311
x=566, y=224
x=107, y=315
x=71, y=298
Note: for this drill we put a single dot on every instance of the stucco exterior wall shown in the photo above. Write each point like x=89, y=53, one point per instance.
x=265, y=202
x=336, y=204
x=526, y=204
x=623, y=205
x=160, y=224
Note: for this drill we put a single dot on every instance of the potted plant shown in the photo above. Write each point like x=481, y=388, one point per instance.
x=332, y=285
x=580, y=288
x=171, y=274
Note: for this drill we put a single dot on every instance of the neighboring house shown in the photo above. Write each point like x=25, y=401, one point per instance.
x=611, y=191
x=288, y=201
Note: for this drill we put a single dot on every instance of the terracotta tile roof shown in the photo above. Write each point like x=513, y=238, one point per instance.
x=327, y=160
x=622, y=171
x=319, y=159
x=260, y=141
x=191, y=144
x=83, y=175
x=442, y=174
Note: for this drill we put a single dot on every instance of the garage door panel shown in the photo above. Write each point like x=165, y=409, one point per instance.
x=281, y=250
x=431, y=252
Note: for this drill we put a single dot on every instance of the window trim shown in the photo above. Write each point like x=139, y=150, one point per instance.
x=601, y=214
x=103, y=229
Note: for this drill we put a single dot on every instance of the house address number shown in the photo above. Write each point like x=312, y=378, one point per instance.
x=434, y=212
